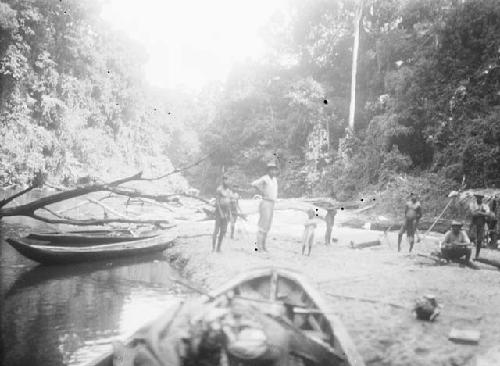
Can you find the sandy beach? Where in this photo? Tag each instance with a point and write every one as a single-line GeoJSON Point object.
{"type": "Point", "coordinates": [373, 290]}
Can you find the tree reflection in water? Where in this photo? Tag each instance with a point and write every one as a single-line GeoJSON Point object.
{"type": "Point", "coordinates": [65, 315]}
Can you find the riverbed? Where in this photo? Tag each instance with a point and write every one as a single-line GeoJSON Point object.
{"type": "Point", "coordinates": [68, 315]}
{"type": "Point", "coordinates": [372, 290]}
{"type": "Point", "coordinates": [56, 316]}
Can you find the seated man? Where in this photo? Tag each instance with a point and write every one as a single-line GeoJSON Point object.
{"type": "Point", "coordinates": [456, 243]}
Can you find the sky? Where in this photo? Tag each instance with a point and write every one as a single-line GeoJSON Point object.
{"type": "Point", "coordinates": [192, 42]}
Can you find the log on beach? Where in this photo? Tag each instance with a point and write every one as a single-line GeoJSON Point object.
{"type": "Point", "coordinates": [365, 244]}
{"type": "Point", "coordinates": [490, 262]}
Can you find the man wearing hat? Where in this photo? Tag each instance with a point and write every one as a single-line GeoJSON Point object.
{"type": "Point", "coordinates": [480, 212]}
{"type": "Point", "coordinates": [267, 186]}
{"type": "Point", "coordinates": [456, 243]}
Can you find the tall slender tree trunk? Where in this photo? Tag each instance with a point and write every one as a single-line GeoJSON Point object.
{"type": "Point", "coordinates": [357, 25]}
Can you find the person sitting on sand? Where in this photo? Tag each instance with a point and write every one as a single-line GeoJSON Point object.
{"type": "Point", "coordinates": [222, 213]}
{"type": "Point", "coordinates": [413, 213]}
{"type": "Point", "coordinates": [456, 243]}
{"type": "Point", "coordinates": [309, 228]}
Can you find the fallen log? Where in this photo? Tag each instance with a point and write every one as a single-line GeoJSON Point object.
{"type": "Point", "coordinates": [490, 262]}
{"type": "Point", "coordinates": [30, 209]}
{"type": "Point", "coordinates": [366, 244]}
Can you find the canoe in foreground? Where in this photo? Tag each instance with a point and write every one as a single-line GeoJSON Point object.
{"type": "Point", "coordinates": [91, 237]}
{"type": "Point", "coordinates": [297, 323]}
{"type": "Point", "coordinates": [49, 254]}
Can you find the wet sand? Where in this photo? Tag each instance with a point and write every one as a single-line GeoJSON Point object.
{"type": "Point", "coordinates": [373, 290]}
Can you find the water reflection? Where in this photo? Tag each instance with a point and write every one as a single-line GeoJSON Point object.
{"type": "Point", "coordinates": [66, 315]}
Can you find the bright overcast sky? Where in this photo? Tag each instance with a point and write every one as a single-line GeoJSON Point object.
{"type": "Point", "coordinates": [191, 42]}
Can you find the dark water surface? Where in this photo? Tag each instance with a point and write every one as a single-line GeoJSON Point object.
{"type": "Point", "coordinates": [67, 315]}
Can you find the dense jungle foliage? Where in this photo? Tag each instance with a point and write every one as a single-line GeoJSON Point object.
{"type": "Point", "coordinates": [73, 100]}
{"type": "Point", "coordinates": [427, 106]}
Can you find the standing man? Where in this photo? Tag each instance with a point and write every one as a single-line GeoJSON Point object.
{"type": "Point", "coordinates": [413, 213]}
{"type": "Point", "coordinates": [222, 214]}
{"type": "Point", "coordinates": [267, 186]}
{"type": "Point", "coordinates": [235, 211]}
{"type": "Point", "coordinates": [331, 211]}
{"type": "Point", "coordinates": [494, 206]}
{"type": "Point", "coordinates": [480, 212]}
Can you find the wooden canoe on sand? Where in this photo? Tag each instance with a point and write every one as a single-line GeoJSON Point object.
{"type": "Point", "coordinates": [45, 253]}
{"type": "Point", "coordinates": [91, 237]}
{"type": "Point", "coordinates": [282, 296]}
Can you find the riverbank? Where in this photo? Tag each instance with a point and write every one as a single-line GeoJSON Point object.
{"type": "Point", "coordinates": [373, 290]}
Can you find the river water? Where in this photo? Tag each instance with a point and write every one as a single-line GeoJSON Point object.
{"type": "Point", "coordinates": [67, 315]}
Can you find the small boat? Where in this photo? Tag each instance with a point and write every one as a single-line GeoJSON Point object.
{"type": "Point", "coordinates": [88, 237]}
{"type": "Point", "coordinates": [45, 253]}
{"type": "Point", "coordinates": [277, 296]}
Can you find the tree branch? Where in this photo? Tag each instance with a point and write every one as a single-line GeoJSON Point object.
{"type": "Point", "coordinates": [97, 222]}
{"type": "Point", "coordinates": [29, 208]}
{"type": "Point", "coordinates": [14, 196]}
{"type": "Point", "coordinates": [178, 170]}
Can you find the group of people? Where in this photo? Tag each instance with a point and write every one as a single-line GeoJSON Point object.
{"type": "Point", "coordinates": [456, 244]}
{"type": "Point", "coordinates": [227, 210]}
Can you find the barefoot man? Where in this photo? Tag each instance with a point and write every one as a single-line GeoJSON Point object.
{"type": "Point", "coordinates": [480, 213]}
{"type": "Point", "coordinates": [413, 213]}
{"type": "Point", "coordinates": [267, 186]}
{"type": "Point", "coordinates": [222, 213]}
{"type": "Point", "coordinates": [331, 211]}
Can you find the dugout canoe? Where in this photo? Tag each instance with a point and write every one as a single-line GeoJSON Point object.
{"type": "Point", "coordinates": [91, 237]}
{"type": "Point", "coordinates": [43, 252]}
{"type": "Point", "coordinates": [280, 294]}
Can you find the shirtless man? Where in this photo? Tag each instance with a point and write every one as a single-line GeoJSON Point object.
{"type": "Point", "coordinates": [331, 211]}
{"type": "Point", "coordinates": [222, 214]}
{"type": "Point", "coordinates": [309, 228]}
{"type": "Point", "coordinates": [413, 213]}
{"type": "Point", "coordinates": [480, 213]}
{"type": "Point", "coordinates": [235, 211]}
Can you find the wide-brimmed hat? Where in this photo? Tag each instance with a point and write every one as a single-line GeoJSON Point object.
{"type": "Point", "coordinates": [456, 223]}
{"type": "Point", "coordinates": [479, 195]}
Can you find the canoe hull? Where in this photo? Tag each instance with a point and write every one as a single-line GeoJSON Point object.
{"type": "Point", "coordinates": [91, 237]}
{"type": "Point", "coordinates": [48, 254]}
{"type": "Point", "coordinates": [335, 348]}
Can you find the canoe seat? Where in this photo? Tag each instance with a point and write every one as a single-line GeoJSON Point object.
{"type": "Point", "coordinates": [320, 336]}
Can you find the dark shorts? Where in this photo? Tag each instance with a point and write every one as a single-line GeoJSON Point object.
{"type": "Point", "coordinates": [222, 220]}
{"type": "Point", "coordinates": [409, 226]}
{"type": "Point", "coordinates": [454, 252]}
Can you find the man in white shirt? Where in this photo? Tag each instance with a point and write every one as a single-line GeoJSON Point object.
{"type": "Point", "coordinates": [267, 186]}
